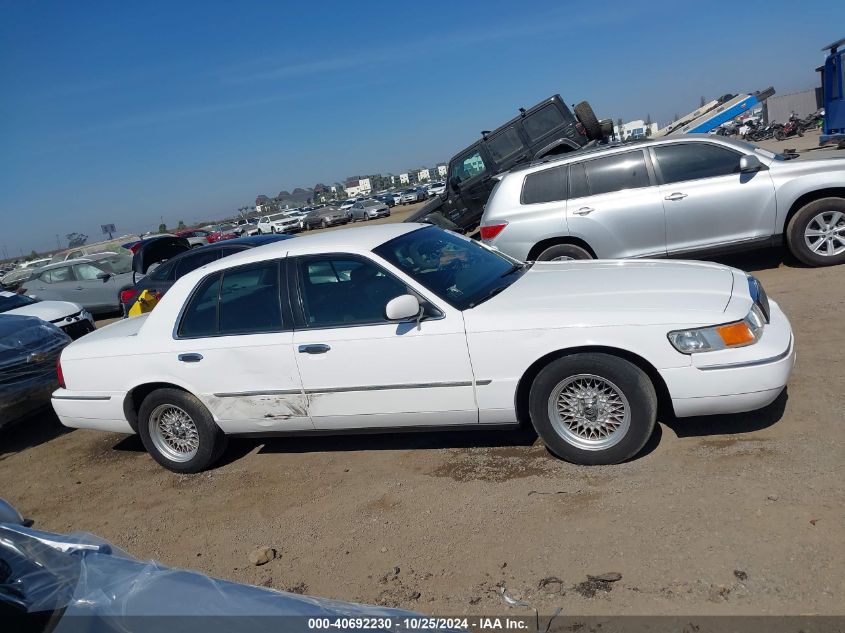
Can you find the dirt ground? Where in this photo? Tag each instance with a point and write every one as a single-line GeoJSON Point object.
{"type": "Point", "coordinates": [739, 514]}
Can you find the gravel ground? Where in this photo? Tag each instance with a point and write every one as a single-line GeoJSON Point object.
{"type": "Point", "coordinates": [739, 514]}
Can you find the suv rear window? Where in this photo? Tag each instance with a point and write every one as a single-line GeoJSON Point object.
{"type": "Point", "coordinates": [548, 185]}
{"type": "Point", "coordinates": [617, 172]}
{"type": "Point", "coordinates": [504, 144]}
{"type": "Point", "coordinates": [542, 122]}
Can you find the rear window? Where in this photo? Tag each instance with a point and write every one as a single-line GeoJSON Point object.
{"type": "Point", "coordinates": [196, 260]}
{"type": "Point", "coordinates": [617, 172]}
{"type": "Point", "coordinates": [542, 122]}
{"type": "Point", "coordinates": [504, 144]}
{"type": "Point", "coordinates": [548, 185]}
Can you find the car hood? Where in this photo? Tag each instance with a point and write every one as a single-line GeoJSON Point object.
{"type": "Point", "coordinates": [47, 310]}
{"type": "Point", "coordinates": [612, 292]}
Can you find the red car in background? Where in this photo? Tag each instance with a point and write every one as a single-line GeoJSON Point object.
{"type": "Point", "coordinates": [222, 232]}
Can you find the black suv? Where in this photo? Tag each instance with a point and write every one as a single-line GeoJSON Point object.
{"type": "Point", "coordinates": [547, 129]}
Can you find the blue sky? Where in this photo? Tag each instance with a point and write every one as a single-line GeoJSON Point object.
{"type": "Point", "coordinates": [128, 112]}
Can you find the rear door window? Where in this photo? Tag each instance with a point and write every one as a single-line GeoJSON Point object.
{"type": "Point", "coordinates": [57, 275]}
{"type": "Point", "coordinates": [548, 185]}
{"type": "Point", "coordinates": [693, 161]}
{"type": "Point", "coordinates": [578, 187]}
{"type": "Point", "coordinates": [243, 300]}
{"type": "Point", "coordinates": [617, 172]}
{"type": "Point", "coordinates": [504, 144]}
{"type": "Point", "coordinates": [542, 122]}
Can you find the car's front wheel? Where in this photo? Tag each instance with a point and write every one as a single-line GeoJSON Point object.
{"type": "Point", "coordinates": [593, 408]}
{"type": "Point", "coordinates": [816, 234]}
{"type": "Point", "coordinates": [179, 432]}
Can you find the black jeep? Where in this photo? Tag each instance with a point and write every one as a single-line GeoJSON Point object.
{"type": "Point", "coordinates": [547, 129]}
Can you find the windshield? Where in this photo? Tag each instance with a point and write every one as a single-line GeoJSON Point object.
{"type": "Point", "coordinates": [458, 269]}
{"type": "Point", "coordinates": [12, 301]}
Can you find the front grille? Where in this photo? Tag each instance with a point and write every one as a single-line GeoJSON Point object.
{"type": "Point", "coordinates": [78, 328]}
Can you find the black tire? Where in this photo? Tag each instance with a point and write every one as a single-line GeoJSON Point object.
{"type": "Point", "coordinates": [273, 230]}
{"type": "Point", "coordinates": [325, 224]}
{"type": "Point", "coordinates": [592, 127]}
{"type": "Point", "coordinates": [629, 379]}
{"type": "Point", "coordinates": [799, 223]}
{"type": "Point", "coordinates": [780, 135]}
{"type": "Point", "coordinates": [212, 441]}
{"type": "Point", "coordinates": [259, 231]}
{"type": "Point", "coordinates": [561, 252]}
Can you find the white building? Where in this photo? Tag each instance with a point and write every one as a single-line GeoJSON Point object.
{"type": "Point", "coordinates": [358, 187]}
{"type": "Point", "coordinates": [404, 179]}
{"type": "Point", "coordinates": [635, 129]}
{"type": "Point", "coordinates": [442, 170]}
{"type": "Point", "coordinates": [423, 175]}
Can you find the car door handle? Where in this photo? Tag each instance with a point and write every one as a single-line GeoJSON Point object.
{"type": "Point", "coordinates": [190, 358]}
{"type": "Point", "coordinates": [584, 211]}
{"type": "Point", "coordinates": [676, 196]}
{"type": "Point", "coordinates": [317, 348]}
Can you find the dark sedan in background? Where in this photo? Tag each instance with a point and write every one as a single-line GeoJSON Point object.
{"type": "Point", "coordinates": [325, 217]}
{"type": "Point", "coordinates": [181, 262]}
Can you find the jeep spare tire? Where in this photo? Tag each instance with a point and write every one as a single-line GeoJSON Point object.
{"type": "Point", "coordinates": [585, 115]}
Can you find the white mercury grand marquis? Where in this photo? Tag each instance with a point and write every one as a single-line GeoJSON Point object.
{"type": "Point", "coordinates": [405, 326]}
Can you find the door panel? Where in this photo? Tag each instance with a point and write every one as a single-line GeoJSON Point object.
{"type": "Point", "coordinates": [236, 333]}
{"type": "Point", "coordinates": [369, 372]}
{"type": "Point", "coordinates": [708, 202]}
{"type": "Point", "coordinates": [623, 214]}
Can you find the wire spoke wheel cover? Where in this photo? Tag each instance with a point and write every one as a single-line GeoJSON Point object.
{"type": "Point", "coordinates": [589, 412]}
{"type": "Point", "coordinates": [174, 433]}
{"type": "Point", "coordinates": [825, 233]}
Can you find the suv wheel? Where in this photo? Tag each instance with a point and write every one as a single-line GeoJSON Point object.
{"type": "Point", "coordinates": [563, 252]}
{"type": "Point", "coordinates": [586, 116]}
{"type": "Point", "coordinates": [179, 432]}
{"type": "Point", "coordinates": [325, 224]}
{"type": "Point", "coordinates": [593, 408]}
{"type": "Point", "coordinates": [816, 234]}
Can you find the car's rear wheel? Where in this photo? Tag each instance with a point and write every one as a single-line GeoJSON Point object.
{"type": "Point", "coordinates": [179, 432]}
{"type": "Point", "coordinates": [325, 223]}
{"type": "Point", "coordinates": [816, 233]}
{"type": "Point", "coordinates": [592, 127]}
{"type": "Point", "coordinates": [563, 252]}
{"type": "Point", "coordinates": [593, 408]}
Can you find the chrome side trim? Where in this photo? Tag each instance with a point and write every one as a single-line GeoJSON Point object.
{"type": "Point", "coordinates": [272, 392]}
{"type": "Point", "coordinates": [421, 385]}
{"type": "Point", "coordinates": [290, 392]}
{"type": "Point", "coordinates": [752, 363]}
{"type": "Point", "coordinates": [81, 397]}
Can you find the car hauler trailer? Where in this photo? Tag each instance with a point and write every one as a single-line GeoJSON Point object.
{"type": "Point", "coordinates": [713, 114]}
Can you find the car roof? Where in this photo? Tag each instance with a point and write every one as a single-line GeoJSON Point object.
{"type": "Point", "coordinates": [67, 262]}
{"type": "Point", "coordinates": [348, 240]}
{"type": "Point", "coordinates": [617, 147]}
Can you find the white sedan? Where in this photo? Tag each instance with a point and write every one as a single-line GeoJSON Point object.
{"type": "Point", "coordinates": [70, 317]}
{"type": "Point", "coordinates": [403, 326]}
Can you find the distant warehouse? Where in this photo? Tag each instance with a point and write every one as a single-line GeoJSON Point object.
{"type": "Point", "coordinates": [777, 108]}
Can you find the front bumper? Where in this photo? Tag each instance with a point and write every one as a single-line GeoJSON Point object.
{"type": "Point", "coordinates": [735, 380]}
{"type": "Point", "coordinates": [77, 325]}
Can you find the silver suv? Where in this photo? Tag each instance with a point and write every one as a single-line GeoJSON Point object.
{"type": "Point", "coordinates": [678, 197]}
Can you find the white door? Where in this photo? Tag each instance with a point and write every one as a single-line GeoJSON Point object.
{"type": "Point", "coordinates": [360, 370]}
{"type": "Point", "coordinates": [708, 202]}
{"type": "Point", "coordinates": [234, 349]}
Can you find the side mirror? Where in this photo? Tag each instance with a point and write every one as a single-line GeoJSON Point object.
{"type": "Point", "coordinates": [402, 307]}
{"type": "Point", "coordinates": [104, 276]}
{"type": "Point", "coordinates": [453, 184]}
{"type": "Point", "coordinates": [749, 163]}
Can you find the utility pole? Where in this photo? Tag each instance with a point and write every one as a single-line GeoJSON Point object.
{"type": "Point", "coordinates": [58, 244]}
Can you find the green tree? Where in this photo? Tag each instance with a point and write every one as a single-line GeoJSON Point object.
{"type": "Point", "coordinates": [181, 224]}
{"type": "Point", "coordinates": [648, 125]}
{"type": "Point", "coordinates": [619, 124]}
{"type": "Point", "coordinates": [701, 102]}
{"type": "Point", "coordinates": [162, 228]}
{"type": "Point", "coordinates": [33, 255]}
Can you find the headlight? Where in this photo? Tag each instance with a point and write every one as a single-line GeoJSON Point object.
{"type": "Point", "coordinates": [710, 339]}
